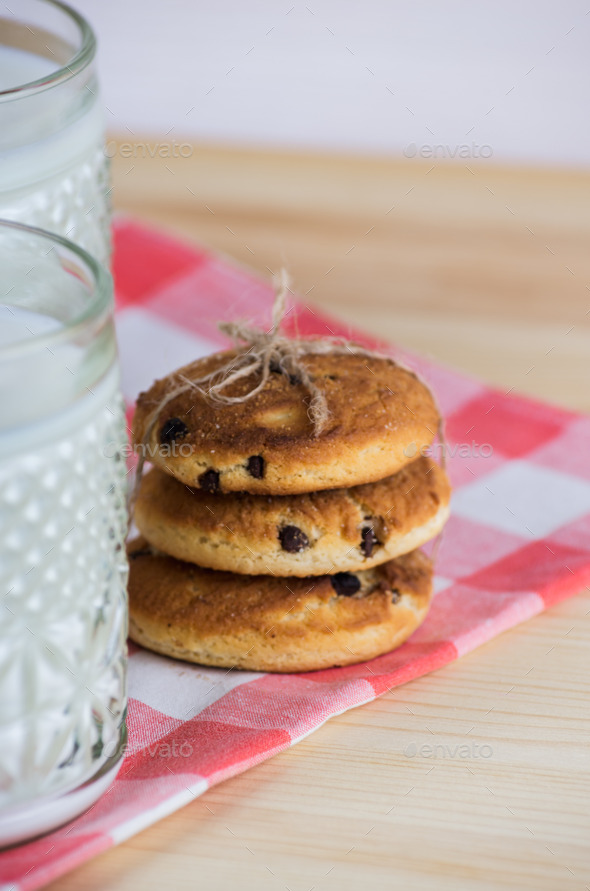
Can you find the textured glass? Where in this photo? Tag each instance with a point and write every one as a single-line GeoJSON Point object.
{"type": "Point", "coordinates": [63, 620]}
{"type": "Point", "coordinates": [74, 203]}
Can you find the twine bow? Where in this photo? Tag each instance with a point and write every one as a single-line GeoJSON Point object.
{"type": "Point", "coordinates": [261, 353]}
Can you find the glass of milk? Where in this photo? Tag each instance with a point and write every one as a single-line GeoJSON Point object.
{"type": "Point", "coordinates": [63, 569]}
{"type": "Point", "coordinates": [53, 169]}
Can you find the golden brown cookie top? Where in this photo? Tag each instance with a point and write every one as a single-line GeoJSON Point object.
{"type": "Point", "coordinates": [207, 602]}
{"type": "Point", "coordinates": [352, 528]}
{"type": "Point", "coordinates": [380, 417]}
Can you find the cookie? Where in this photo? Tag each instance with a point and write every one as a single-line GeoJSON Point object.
{"type": "Point", "coordinates": [381, 417]}
{"type": "Point", "coordinates": [295, 535]}
{"type": "Point", "coordinates": [262, 623]}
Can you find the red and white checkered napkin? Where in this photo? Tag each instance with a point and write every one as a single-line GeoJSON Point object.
{"type": "Point", "coordinates": [517, 542]}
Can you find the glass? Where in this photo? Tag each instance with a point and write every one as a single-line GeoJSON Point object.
{"type": "Point", "coordinates": [63, 519]}
{"type": "Point", "coordinates": [53, 168]}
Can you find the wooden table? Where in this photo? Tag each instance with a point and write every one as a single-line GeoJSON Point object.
{"type": "Point", "coordinates": [487, 269]}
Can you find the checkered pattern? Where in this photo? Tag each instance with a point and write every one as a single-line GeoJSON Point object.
{"type": "Point", "coordinates": [518, 541]}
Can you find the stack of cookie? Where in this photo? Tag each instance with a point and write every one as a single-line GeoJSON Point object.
{"type": "Point", "coordinates": [266, 547]}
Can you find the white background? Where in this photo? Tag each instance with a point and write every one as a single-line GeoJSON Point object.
{"type": "Point", "coordinates": [377, 76]}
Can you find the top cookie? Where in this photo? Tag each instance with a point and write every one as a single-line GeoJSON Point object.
{"type": "Point", "coordinates": [381, 416]}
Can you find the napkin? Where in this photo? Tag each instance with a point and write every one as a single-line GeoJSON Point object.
{"type": "Point", "coordinates": [518, 541]}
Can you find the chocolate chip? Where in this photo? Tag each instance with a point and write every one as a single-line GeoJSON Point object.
{"type": "Point", "coordinates": [293, 539]}
{"type": "Point", "coordinates": [395, 595]}
{"type": "Point", "coordinates": [142, 552]}
{"type": "Point", "coordinates": [345, 583]}
{"type": "Point", "coordinates": [209, 481]}
{"type": "Point", "coordinates": [255, 466]}
{"type": "Point", "coordinates": [172, 430]}
{"type": "Point", "coordinates": [276, 368]}
{"type": "Point", "coordinates": [369, 540]}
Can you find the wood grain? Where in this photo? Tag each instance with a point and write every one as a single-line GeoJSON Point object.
{"type": "Point", "coordinates": [482, 267]}
{"type": "Point", "coordinates": [477, 776]}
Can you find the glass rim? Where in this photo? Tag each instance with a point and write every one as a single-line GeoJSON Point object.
{"type": "Point", "coordinates": [99, 304]}
{"type": "Point", "coordinates": [80, 60]}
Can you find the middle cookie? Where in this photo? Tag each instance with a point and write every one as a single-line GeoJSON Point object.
{"type": "Point", "coordinates": [336, 530]}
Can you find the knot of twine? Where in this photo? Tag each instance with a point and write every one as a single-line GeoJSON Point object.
{"type": "Point", "coordinates": [258, 354]}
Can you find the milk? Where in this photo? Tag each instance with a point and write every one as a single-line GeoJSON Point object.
{"type": "Point", "coordinates": [19, 67]}
{"type": "Point", "coordinates": [63, 572]}
{"type": "Point", "coordinates": [53, 169]}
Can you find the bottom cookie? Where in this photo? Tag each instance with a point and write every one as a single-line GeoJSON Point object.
{"type": "Point", "coordinates": [265, 623]}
